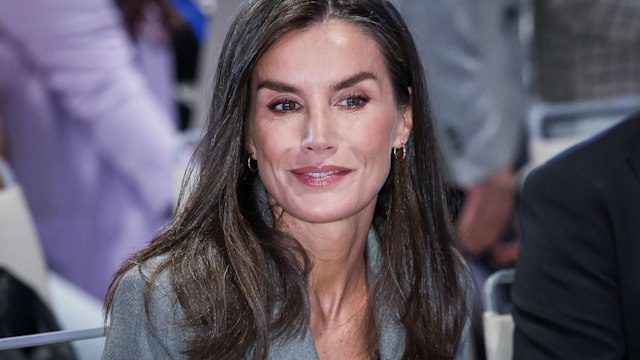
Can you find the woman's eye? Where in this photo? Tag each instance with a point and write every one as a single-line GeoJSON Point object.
{"type": "Point", "coordinates": [284, 106]}
{"type": "Point", "coordinates": [354, 102]}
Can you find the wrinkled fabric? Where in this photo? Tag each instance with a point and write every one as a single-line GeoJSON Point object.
{"type": "Point", "coordinates": [90, 143]}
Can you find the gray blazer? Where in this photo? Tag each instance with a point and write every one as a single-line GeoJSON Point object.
{"type": "Point", "coordinates": [132, 336]}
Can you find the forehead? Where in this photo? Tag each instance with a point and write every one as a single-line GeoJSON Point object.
{"type": "Point", "coordinates": [324, 52]}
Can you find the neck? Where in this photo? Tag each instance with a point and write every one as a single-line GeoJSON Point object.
{"type": "Point", "coordinates": [337, 284]}
{"type": "Point", "coordinates": [338, 281]}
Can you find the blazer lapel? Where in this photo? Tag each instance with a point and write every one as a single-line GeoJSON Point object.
{"type": "Point", "coordinates": [391, 331]}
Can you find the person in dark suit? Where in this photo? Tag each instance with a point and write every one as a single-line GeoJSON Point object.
{"type": "Point", "coordinates": [576, 293]}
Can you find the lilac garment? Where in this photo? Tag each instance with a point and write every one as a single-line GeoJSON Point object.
{"type": "Point", "coordinates": [89, 142]}
{"type": "Point", "coordinates": [154, 58]}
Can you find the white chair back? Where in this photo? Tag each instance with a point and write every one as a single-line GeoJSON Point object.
{"type": "Point", "coordinates": [554, 127]}
{"type": "Point", "coordinates": [498, 328]}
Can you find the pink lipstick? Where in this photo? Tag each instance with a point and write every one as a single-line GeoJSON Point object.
{"type": "Point", "coordinates": [320, 176]}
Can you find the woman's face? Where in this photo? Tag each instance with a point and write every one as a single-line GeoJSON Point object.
{"type": "Point", "coordinates": [323, 123]}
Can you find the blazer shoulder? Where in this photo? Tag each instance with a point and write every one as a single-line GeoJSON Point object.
{"type": "Point", "coordinates": [143, 279]}
{"type": "Point", "coordinates": [146, 317]}
{"type": "Point", "coordinates": [134, 282]}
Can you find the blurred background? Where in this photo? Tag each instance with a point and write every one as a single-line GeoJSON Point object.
{"type": "Point", "coordinates": [102, 101]}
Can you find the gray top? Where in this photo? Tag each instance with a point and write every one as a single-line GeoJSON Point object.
{"type": "Point", "coordinates": [131, 335]}
{"type": "Point", "coordinates": [472, 58]}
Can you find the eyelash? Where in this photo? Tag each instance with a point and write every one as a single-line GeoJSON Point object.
{"type": "Point", "coordinates": [273, 106]}
{"type": "Point", "coordinates": [360, 99]}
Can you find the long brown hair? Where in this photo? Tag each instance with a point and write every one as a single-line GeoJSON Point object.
{"type": "Point", "coordinates": [224, 256]}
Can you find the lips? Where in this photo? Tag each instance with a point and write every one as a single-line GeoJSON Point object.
{"type": "Point", "coordinates": [320, 176]}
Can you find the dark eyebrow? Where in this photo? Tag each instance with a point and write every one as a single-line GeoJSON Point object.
{"type": "Point", "coordinates": [352, 80]}
{"type": "Point", "coordinates": [278, 86]}
{"type": "Point", "coordinates": [348, 82]}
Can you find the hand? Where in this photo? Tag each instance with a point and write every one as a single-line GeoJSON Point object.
{"type": "Point", "coordinates": [505, 254]}
{"type": "Point", "coordinates": [487, 208]}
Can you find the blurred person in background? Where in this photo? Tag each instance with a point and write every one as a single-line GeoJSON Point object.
{"type": "Point", "coordinates": [577, 285]}
{"type": "Point", "coordinates": [471, 55]}
{"type": "Point", "coordinates": [188, 45]}
{"type": "Point", "coordinates": [86, 100]}
{"type": "Point", "coordinates": [2, 146]}
{"type": "Point", "coordinates": [586, 49]}
{"type": "Point", "coordinates": [575, 292]}
{"type": "Point", "coordinates": [150, 24]}
{"type": "Point", "coordinates": [2, 151]}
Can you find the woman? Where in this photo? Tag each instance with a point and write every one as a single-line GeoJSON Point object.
{"type": "Point", "coordinates": [317, 226]}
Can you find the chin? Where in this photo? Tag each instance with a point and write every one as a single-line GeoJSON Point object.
{"type": "Point", "coordinates": [326, 213]}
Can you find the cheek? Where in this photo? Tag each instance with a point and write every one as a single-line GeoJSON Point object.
{"type": "Point", "coordinates": [273, 146]}
{"type": "Point", "coordinates": [376, 139]}
{"type": "Point", "coordinates": [373, 151]}
{"type": "Point", "coordinates": [263, 138]}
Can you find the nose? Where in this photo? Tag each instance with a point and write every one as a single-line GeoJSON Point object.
{"type": "Point", "coordinates": [320, 132]}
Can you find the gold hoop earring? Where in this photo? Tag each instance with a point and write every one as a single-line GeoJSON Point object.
{"type": "Point", "coordinates": [400, 153]}
{"type": "Point", "coordinates": [249, 164]}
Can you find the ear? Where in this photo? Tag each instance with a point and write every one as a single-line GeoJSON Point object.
{"type": "Point", "coordinates": [251, 147]}
{"type": "Point", "coordinates": [404, 126]}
